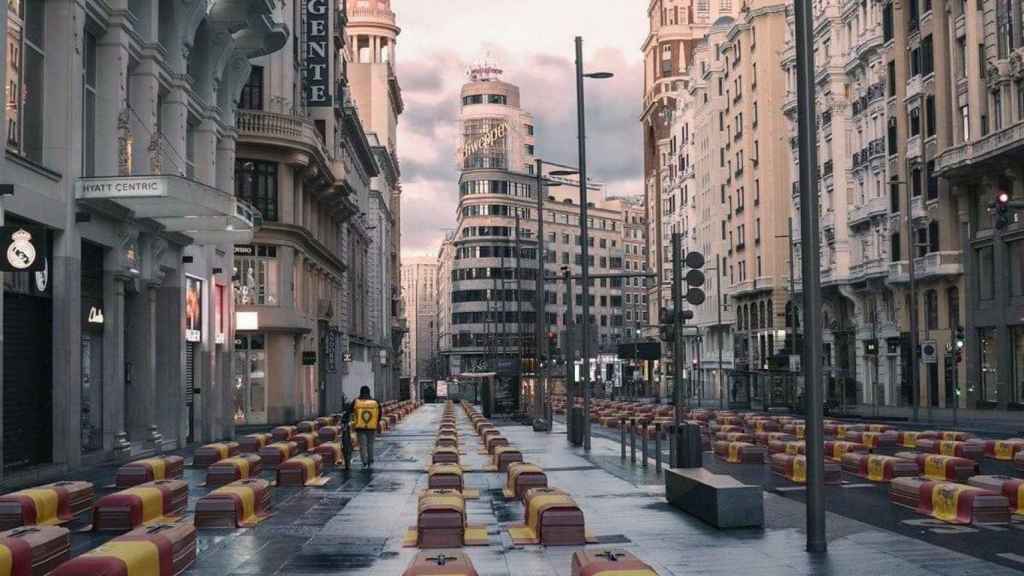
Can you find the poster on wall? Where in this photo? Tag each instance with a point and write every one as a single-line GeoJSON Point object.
{"type": "Point", "coordinates": [193, 309]}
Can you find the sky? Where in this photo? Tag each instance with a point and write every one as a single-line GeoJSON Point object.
{"type": "Point", "coordinates": [532, 41]}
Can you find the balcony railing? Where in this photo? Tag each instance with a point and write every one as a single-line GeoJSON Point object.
{"type": "Point", "coordinates": [866, 210]}
{"type": "Point", "coordinates": [285, 128]}
{"type": "Point", "coordinates": [984, 149]}
{"type": "Point", "coordinates": [914, 147]}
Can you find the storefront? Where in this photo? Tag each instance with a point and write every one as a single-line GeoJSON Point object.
{"type": "Point", "coordinates": [93, 325]}
{"type": "Point", "coordinates": [27, 346]}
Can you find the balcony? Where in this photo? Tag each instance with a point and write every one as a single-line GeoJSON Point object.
{"type": "Point", "coordinates": [918, 210]}
{"type": "Point", "coordinates": [1009, 141]}
{"type": "Point", "coordinates": [873, 268]}
{"type": "Point", "coordinates": [930, 266]}
{"type": "Point", "coordinates": [914, 85]}
{"type": "Point", "coordinates": [914, 147]}
{"type": "Point", "coordinates": [272, 128]}
{"type": "Point", "coordinates": [869, 209]}
{"type": "Point", "coordinates": [828, 220]}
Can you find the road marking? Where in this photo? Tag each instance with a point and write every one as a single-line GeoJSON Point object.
{"type": "Point", "coordinates": [858, 485]}
{"type": "Point", "coordinates": [1012, 556]}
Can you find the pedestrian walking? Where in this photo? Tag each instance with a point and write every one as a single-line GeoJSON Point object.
{"type": "Point", "coordinates": [364, 412]}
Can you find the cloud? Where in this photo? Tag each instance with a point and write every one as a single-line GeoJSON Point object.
{"type": "Point", "coordinates": [437, 47]}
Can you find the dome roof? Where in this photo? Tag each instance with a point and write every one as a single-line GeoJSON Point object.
{"type": "Point", "coordinates": [722, 24]}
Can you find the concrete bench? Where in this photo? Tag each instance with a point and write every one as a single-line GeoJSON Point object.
{"type": "Point", "coordinates": [717, 499]}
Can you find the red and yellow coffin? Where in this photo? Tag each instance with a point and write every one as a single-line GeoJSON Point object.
{"type": "Point", "coordinates": [211, 453]}
{"type": "Point", "coordinates": [233, 469]}
{"type": "Point", "coordinates": [609, 563]}
{"type": "Point", "coordinates": [836, 449]}
{"type": "Point", "coordinates": [306, 441]}
{"type": "Point", "coordinates": [47, 505]}
{"type": "Point", "coordinates": [274, 454]}
{"type": "Point", "coordinates": [150, 469]}
{"type": "Point", "coordinates": [840, 430]}
{"type": "Point", "coordinates": [1003, 449]}
{"type": "Point", "coordinates": [301, 470]}
{"type": "Point", "coordinates": [941, 467]}
{"type": "Point", "coordinates": [873, 439]}
{"type": "Point", "coordinates": [793, 467]}
{"type": "Point", "coordinates": [878, 468]}
{"type": "Point", "coordinates": [522, 477]}
{"type": "Point", "coordinates": [740, 452]}
{"type": "Point", "coordinates": [734, 437]}
{"type": "Point", "coordinates": [1012, 488]}
{"type": "Point", "coordinates": [788, 447]}
{"type": "Point", "coordinates": [763, 425]}
{"type": "Point", "coordinates": [166, 549]}
{"type": "Point", "coordinates": [283, 433]}
{"type": "Point", "coordinates": [240, 504]}
{"type": "Point", "coordinates": [329, 433]}
{"type": "Point", "coordinates": [254, 442]}
{"type": "Point", "coordinates": [552, 518]}
{"type": "Point", "coordinates": [306, 427]}
{"type": "Point", "coordinates": [33, 550]}
{"type": "Point", "coordinates": [154, 502]}
{"type": "Point", "coordinates": [766, 438]}
{"type": "Point", "coordinates": [949, 501]}
{"type": "Point", "coordinates": [945, 435]}
{"type": "Point", "coordinates": [331, 453]}
{"type": "Point", "coordinates": [958, 448]}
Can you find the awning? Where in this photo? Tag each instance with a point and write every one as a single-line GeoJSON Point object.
{"type": "Point", "coordinates": [206, 214]}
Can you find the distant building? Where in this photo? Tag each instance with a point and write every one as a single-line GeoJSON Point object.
{"type": "Point", "coordinates": [419, 295]}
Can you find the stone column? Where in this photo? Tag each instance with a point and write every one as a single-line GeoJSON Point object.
{"type": "Point", "coordinates": [145, 94]}
{"type": "Point", "coordinates": [174, 125]}
{"type": "Point", "coordinates": [114, 414]}
{"type": "Point", "coordinates": [207, 154]}
{"type": "Point", "coordinates": [224, 167]}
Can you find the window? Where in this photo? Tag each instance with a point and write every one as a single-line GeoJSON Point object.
{"type": "Point", "coordinates": [932, 180]}
{"type": "Point", "coordinates": [1007, 13]}
{"type": "Point", "coordinates": [929, 116]}
{"type": "Point", "coordinates": [895, 252]}
{"type": "Point", "coordinates": [256, 183]}
{"type": "Point", "coordinates": [892, 136]}
{"type": "Point", "coordinates": [891, 76]}
{"type": "Point", "coordinates": [989, 362]}
{"type": "Point", "coordinates": [887, 22]}
{"type": "Point", "coordinates": [931, 310]}
{"type": "Point", "coordinates": [529, 149]}
{"type": "Point", "coordinates": [912, 15]}
{"type": "Point", "coordinates": [757, 192]}
{"type": "Point", "coordinates": [953, 307]}
{"type": "Point", "coordinates": [1016, 268]}
{"type": "Point", "coordinates": [529, 129]}
{"type": "Point", "coordinates": [927, 59]}
{"type": "Point", "coordinates": [997, 109]}
{"type": "Point", "coordinates": [915, 122]}
{"type": "Point", "coordinates": [497, 99]}
{"type": "Point", "coordinates": [89, 105]}
{"type": "Point", "coordinates": [915, 181]}
{"type": "Point", "coordinates": [986, 273]}
{"type": "Point", "coordinates": [25, 71]}
{"type": "Point", "coordinates": [256, 275]}
{"type": "Point", "coordinates": [965, 122]}
{"type": "Point", "coordinates": [1017, 336]}
{"type": "Point", "coordinates": [473, 99]}
{"type": "Point", "coordinates": [252, 92]}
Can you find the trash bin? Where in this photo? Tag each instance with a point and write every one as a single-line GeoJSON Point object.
{"type": "Point", "coordinates": [688, 452]}
{"type": "Point", "coordinates": [576, 428]}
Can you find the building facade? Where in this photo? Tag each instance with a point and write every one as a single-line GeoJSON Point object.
{"type": "Point", "coordinates": [372, 40]}
{"type": "Point", "coordinates": [419, 297]}
{"type": "Point", "coordinates": [119, 195]}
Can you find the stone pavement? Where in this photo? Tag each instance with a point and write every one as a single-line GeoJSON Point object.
{"type": "Point", "coordinates": [354, 525]}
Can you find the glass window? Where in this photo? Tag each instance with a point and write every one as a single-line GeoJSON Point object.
{"type": "Point", "coordinates": [989, 361]}
{"type": "Point", "coordinates": [252, 92]}
{"type": "Point", "coordinates": [1017, 335]}
{"type": "Point", "coordinates": [89, 105]}
{"type": "Point", "coordinates": [256, 183]}
{"type": "Point", "coordinates": [256, 276]}
{"type": "Point", "coordinates": [25, 71]}
{"type": "Point", "coordinates": [1016, 267]}
{"type": "Point", "coordinates": [986, 267]}
{"type": "Point", "coordinates": [931, 310]}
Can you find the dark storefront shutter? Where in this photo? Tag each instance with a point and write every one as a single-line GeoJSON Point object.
{"type": "Point", "coordinates": [28, 380]}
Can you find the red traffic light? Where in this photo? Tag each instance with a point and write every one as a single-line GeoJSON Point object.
{"type": "Point", "coordinates": [1003, 197]}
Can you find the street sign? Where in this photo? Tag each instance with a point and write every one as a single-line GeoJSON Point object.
{"type": "Point", "coordinates": [929, 352]}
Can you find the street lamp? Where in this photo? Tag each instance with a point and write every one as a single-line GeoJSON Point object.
{"type": "Point", "coordinates": [912, 377]}
{"type": "Point", "coordinates": [585, 236]}
{"type": "Point", "coordinates": [540, 321]}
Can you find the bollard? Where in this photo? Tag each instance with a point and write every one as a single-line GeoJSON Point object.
{"type": "Point", "coordinates": [671, 446]}
{"type": "Point", "coordinates": [632, 440]}
{"type": "Point", "coordinates": [622, 442]}
{"type": "Point", "coordinates": [657, 447]}
{"type": "Point", "coordinates": [643, 443]}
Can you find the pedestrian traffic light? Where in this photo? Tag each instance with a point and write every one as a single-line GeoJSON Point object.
{"type": "Point", "coordinates": [1001, 206]}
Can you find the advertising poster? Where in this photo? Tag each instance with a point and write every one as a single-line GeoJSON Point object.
{"type": "Point", "coordinates": [193, 309]}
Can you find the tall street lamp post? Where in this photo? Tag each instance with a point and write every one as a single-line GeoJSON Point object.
{"type": "Point", "coordinates": [807, 136]}
{"type": "Point", "coordinates": [540, 321]}
{"type": "Point", "coordinates": [584, 236]}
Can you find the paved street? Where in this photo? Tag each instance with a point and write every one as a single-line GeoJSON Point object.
{"type": "Point", "coordinates": [354, 524]}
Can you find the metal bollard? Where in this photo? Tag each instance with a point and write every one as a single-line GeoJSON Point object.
{"type": "Point", "coordinates": [643, 443]}
{"type": "Point", "coordinates": [622, 442]}
{"type": "Point", "coordinates": [657, 447]}
{"type": "Point", "coordinates": [632, 440]}
{"type": "Point", "coordinates": [671, 445]}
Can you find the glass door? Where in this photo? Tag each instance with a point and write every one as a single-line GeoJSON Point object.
{"type": "Point", "coordinates": [249, 378]}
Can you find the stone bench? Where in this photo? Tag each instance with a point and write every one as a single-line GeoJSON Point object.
{"type": "Point", "coordinates": [717, 499]}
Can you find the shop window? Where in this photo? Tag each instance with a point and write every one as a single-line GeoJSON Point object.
{"type": "Point", "coordinates": [953, 304]}
{"type": "Point", "coordinates": [931, 310]}
{"type": "Point", "coordinates": [1017, 335]}
{"type": "Point", "coordinates": [256, 275]}
{"type": "Point", "coordinates": [25, 71]}
{"type": "Point", "coordinates": [989, 352]}
{"type": "Point", "coordinates": [250, 378]}
{"type": "Point", "coordinates": [256, 183]}
{"type": "Point", "coordinates": [91, 380]}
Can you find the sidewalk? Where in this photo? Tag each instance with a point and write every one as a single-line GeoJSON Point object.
{"type": "Point", "coordinates": [355, 525]}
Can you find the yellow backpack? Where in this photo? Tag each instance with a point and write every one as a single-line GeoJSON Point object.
{"type": "Point", "coordinates": [367, 414]}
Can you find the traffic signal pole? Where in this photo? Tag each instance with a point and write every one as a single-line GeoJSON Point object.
{"type": "Point", "coordinates": [677, 336]}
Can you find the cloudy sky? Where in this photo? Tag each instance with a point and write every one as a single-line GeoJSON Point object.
{"type": "Point", "coordinates": [532, 41]}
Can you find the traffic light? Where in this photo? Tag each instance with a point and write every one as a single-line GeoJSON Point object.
{"type": "Point", "coordinates": [958, 345]}
{"type": "Point", "coordinates": [552, 345]}
{"type": "Point", "coordinates": [694, 278]}
{"type": "Point", "coordinates": [667, 323]}
{"type": "Point", "coordinates": [1001, 206]}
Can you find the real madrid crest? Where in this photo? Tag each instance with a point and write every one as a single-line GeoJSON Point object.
{"type": "Point", "coordinates": [21, 253]}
